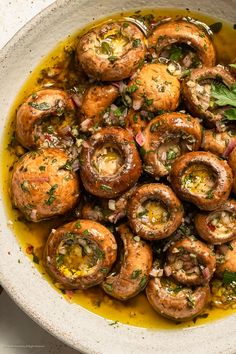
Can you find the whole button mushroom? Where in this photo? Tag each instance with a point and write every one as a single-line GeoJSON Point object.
{"type": "Point", "coordinates": [218, 226]}
{"type": "Point", "coordinates": [41, 118]}
{"type": "Point", "coordinates": [190, 262]}
{"type": "Point", "coordinates": [79, 254]}
{"type": "Point", "coordinates": [110, 163]}
{"type": "Point", "coordinates": [154, 211]}
{"type": "Point", "coordinates": [167, 137]}
{"type": "Point", "coordinates": [202, 178]}
{"type": "Point", "coordinates": [112, 51]}
{"type": "Point", "coordinates": [183, 42]}
{"type": "Point", "coordinates": [41, 185]}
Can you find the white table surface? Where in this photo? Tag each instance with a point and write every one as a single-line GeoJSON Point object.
{"type": "Point", "coordinates": [18, 333]}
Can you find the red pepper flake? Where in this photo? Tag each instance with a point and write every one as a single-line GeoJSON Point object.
{"type": "Point", "coordinates": [69, 294]}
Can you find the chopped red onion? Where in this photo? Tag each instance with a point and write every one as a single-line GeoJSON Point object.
{"type": "Point", "coordinates": [229, 148]}
{"type": "Point", "coordinates": [140, 138]}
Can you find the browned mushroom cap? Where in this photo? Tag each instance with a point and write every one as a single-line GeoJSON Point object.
{"type": "Point", "coordinates": [202, 178]}
{"type": "Point", "coordinates": [108, 210]}
{"type": "Point", "coordinates": [197, 93]}
{"type": "Point", "coordinates": [110, 163]}
{"type": "Point", "coordinates": [133, 274]}
{"type": "Point", "coordinates": [219, 226]}
{"type": "Point", "coordinates": [174, 301]}
{"type": "Point", "coordinates": [232, 163]}
{"type": "Point", "coordinates": [167, 137]}
{"type": "Point", "coordinates": [219, 143]}
{"type": "Point", "coordinates": [154, 211]}
{"type": "Point", "coordinates": [41, 117]}
{"type": "Point", "coordinates": [155, 89]}
{"type": "Point", "coordinates": [226, 258]}
{"type": "Point", "coordinates": [183, 42]}
{"type": "Point", "coordinates": [95, 101]}
{"type": "Point", "coordinates": [190, 261]}
{"type": "Point", "coordinates": [41, 185]}
{"type": "Point", "coordinates": [112, 51]}
{"type": "Point", "coordinates": [79, 255]}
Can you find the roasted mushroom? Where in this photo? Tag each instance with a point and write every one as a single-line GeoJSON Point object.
{"type": "Point", "coordinates": [190, 261]}
{"type": "Point", "coordinates": [175, 301]}
{"type": "Point", "coordinates": [112, 51]}
{"type": "Point", "coordinates": [226, 258]}
{"type": "Point", "coordinates": [232, 163]}
{"type": "Point", "coordinates": [202, 178]}
{"type": "Point", "coordinates": [79, 255]}
{"type": "Point", "coordinates": [155, 89]}
{"type": "Point", "coordinates": [110, 163]}
{"type": "Point", "coordinates": [95, 101]}
{"type": "Point", "coordinates": [45, 118]}
{"type": "Point", "coordinates": [219, 143]}
{"type": "Point", "coordinates": [218, 226]}
{"type": "Point", "coordinates": [41, 185]}
{"type": "Point", "coordinates": [107, 210]}
{"type": "Point", "coordinates": [154, 211]}
{"type": "Point", "coordinates": [133, 274]}
{"type": "Point", "coordinates": [167, 137]}
{"type": "Point", "coordinates": [205, 94]}
{"type": "Point", "coordinates": [182, 42]}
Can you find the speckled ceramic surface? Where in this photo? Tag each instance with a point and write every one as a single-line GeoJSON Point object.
{"type": "Point", "coordinates": [71, 323]}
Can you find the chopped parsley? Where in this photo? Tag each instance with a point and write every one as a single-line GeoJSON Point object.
{"type": "Point", "coordinates": [136, 43]}
{"type": "Point", "coordinates": [51, 192]}
{"type": "Point", "coordinates": [43, 106]}
{"type": "Point", "coordinates": [135, 274]}
{"type": "Point", "coordinates": [143, 281]}
{"type": "Point", "coordinates": [104, 187]}
{"type": "Point", "coordinates": [229, 277]}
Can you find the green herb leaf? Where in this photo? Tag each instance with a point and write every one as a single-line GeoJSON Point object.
{"type": "Point", "coordinates": [230, 114]}
{"type": "Point", "coordinates": [132, 88]}
{"type": "Point", "coordinates": [78, 225]}
{"type": "Point", "coordinates": [35, 259]}
{"type": "Point", "coordinates": [224, 96]}
{"type": "Point", "coordinates": [108, 287]}
{"type": "Point", "coordinates": [136, 273]}
{"type": "Point", "coordinates": [229, 277]}
{"type": "Point", "coordinates": [190, 301]}
{"type": "Point", "coordinates": [42, 168]}
{"type": "Point", "coordinates": [24, 186]}
{"type": "Point", "coordinates": [106, 49]}
{"type": "Point", "coordinates": [51, 194]}
{"type": "Point", "coordinates": [136, 43]}
{"type": "Point", "coordinates": [176, 54]}
{"type": "Point", "coordinates": [143, 281]}
{"type": "Point", "coordinates": [43, 106]}
{"type": "Point", "coordinates": [112, 58]}
{"type": "Point", "coordinates": [104, 187]}
{"type": "Point", "coordinates": [86, 232]}
{"type": "Point", "coordinates": [60, 260]}
{"type": "Point", "coordinates": [233, 66]}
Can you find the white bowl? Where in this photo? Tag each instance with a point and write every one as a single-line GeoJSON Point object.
{"type": "Point", "coordinates": [71, 323]}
